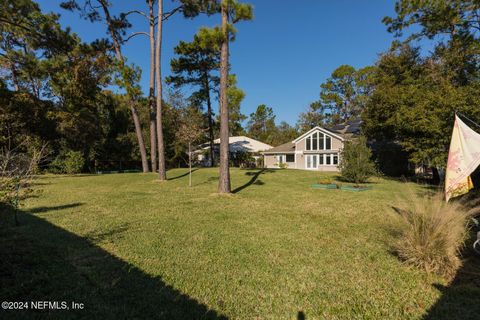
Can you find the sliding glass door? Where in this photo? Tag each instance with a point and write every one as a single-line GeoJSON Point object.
{"type": "Point", "coordinates": [311, 161]}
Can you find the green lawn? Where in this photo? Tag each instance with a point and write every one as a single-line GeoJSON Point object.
{"type": "Point", "coordinates": [128, 246]}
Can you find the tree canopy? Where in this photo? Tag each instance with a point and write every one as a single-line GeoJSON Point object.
{"type": "Point", "coordinates": [415, 96]}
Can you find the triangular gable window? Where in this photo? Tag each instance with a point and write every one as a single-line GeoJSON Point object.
{"type": "Point", "coordinates": [318, 141]}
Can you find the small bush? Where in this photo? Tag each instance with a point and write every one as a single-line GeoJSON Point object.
{"type": "Point", "coordinates": [69, 162]}
{"type": "Point", "coordinates": [259, 162]}
{"type": "Point", "coordinates": [8, 187]}
{"type": "Point", "coordinates": [282, 165]}
{"type": "Point", "coordinates": [17, 169]}
{"type": "Point", "coordinates": [434, 232]}
{"type": "Point", "coordinates": [356, 163]}
{"type": "Point", "coordinates": [242, 160]}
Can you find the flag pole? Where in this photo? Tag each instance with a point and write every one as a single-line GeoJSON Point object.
{"type": "Point", "coordinates": [467, 118]}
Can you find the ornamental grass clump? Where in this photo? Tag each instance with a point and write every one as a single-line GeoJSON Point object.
{"type": "Point", "coordinates": [433, 234]}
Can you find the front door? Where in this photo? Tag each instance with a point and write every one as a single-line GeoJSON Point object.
{"type": "Point", "coordinates": [311, 161]}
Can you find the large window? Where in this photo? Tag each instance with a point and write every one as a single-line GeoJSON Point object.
{"type": "Point", "coordinates": [328, 142]}
{"type": "Point", "coordinates": [315, 141]}
{"type": "Point", "coordinates": [313, 161]}
{"type": "Point", "coordinates": [318, 141]}
{"type": "Point", "coordinates": [290, 158]}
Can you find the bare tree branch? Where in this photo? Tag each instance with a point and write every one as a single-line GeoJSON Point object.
{"type": "Point", "coordinates": [167, 15]}
{"type": "Point", "coordinates": [137, 12]}
{"type": "Point", "coordinates": [136, 34]}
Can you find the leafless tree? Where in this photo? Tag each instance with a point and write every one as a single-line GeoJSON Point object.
{"type": "Point", "coordinates": [189, 132]}
{"type": "Point", "coordinates": [17, 170]}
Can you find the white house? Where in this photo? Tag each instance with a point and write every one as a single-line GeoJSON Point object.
{"type": "Point", "coordinates": [238, 144]}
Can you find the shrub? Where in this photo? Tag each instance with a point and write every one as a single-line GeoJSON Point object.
{"type": "Point", "coordinates": [259, 162]}
{"type": "Point", "coordinates": [433, 233]}
{"type": "Point", "coordinates": [69, 162]}
{"type": "Point", "coordinates": [242, 160]}
{"type": "Point", "coordinates": [356, 164]}
{"type": "Point", "coordinates": [282, 165]}
{"type": "Point", "coordinates": [8, 187]}
{"type": "Point", "coordinates": [17, 169]}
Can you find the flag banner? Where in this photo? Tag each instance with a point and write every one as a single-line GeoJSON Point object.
{"type": "Point", "coordinates": [463, 159]}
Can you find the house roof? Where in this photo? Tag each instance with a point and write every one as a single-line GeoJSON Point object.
{"type": "Point", "coordinates": [288, 147]}
{"type": "Point", "coordinates": [350, 127]}
{"type": "Point", "coordinates": [241, 143]}
{"type": "Point", "coordinates": [341, 131]}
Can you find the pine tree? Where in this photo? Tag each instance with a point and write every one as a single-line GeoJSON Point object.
{"type": "Point", "coordinates": [197, 65]}
{"type": "Point", "coordinates": [116, 28]}
{"type": "Point", "coordinates": [231, 12]}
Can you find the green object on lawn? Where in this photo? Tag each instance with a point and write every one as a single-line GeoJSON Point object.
{"type": "Point", "coordinates": [355, 189]}
{"type": "Point", "coordinates": [324, 186]}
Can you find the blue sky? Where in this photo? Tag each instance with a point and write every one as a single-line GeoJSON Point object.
{"type": "Point", "coordinates": [281, 57]}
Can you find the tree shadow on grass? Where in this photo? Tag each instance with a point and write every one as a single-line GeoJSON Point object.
{"type": "Point", "coordinates": [253, 180]}
{"type": "Point", "coordinates": [207, 181]}
{"type": "Point", "coordinates": [182, 175]}
{"type": "Point", "coordinates": [62, 175]}
{"type": "Point", "coordinates": [54, 208]}
{"type": "Point", "coordinates": [42, 262]}
{"type": "Point", "coordinates": [461, 298]}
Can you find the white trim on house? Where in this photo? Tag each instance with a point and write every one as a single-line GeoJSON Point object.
{"type": "Point", "coordinates": [278, 152]}
{"type": "Point", "coordinates": [281, 158]}
{"type": "Point", "coordinates": [319, 129]}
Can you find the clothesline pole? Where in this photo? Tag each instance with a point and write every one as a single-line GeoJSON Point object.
{"type": "Point", "coordinates": [467, 118]}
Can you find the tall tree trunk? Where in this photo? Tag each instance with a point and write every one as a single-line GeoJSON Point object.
{"type": "Point", "coordinates": [138, 132]}
{"type": "Point", "coordinates": [13, 69]}
{"type": "Point", "coordinates": [224, 181]}
{"type": "Point", "coordinates": [162, 175]}
{"type": "Point", "coordinates": [210, 121]}
{"type": "Point", "coordinates": [14, 76]}
{"type": "Point", "coordinates": [151, 95]}
{"type": "Point", "coordinates": [133, 108]}
{"type": "Point", "coordinates": [33, 85]}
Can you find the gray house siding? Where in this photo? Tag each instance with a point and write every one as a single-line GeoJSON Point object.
{"type": "Point", "coordinates": [274, 160]}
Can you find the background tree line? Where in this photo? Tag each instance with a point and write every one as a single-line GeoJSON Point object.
{"type": "Point", "coordinates": [408, 98]}
{"type": "Point", "coordinates": [84, 99]}
{"type": "Point", "coordinates": [57, 89]}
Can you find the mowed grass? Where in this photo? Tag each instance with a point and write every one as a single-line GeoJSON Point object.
{"type": "Point", "coordinates": [129, 246]}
